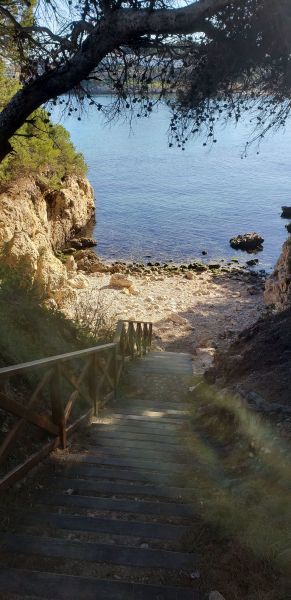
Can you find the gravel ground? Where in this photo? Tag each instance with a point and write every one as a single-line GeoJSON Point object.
{"type": "Point", "coordinates": [196, 315]}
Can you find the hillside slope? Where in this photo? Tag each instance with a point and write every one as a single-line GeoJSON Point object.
{"type": "Point", "coordinates": [259, 359]}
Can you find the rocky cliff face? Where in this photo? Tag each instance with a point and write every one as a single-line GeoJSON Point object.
{"type": "Point", "coordinates": [34, 222]}
{"type": "Point", "coordinates": [278, 288]}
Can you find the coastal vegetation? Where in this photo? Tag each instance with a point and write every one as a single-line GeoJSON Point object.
{"type": "Point", "coordinates": [40, 148]}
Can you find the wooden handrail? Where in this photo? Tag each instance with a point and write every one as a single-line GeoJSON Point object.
{"type": "Point", "coordinates": [53, 360]}
{"type": "Point", "coordinates": [95, 384]}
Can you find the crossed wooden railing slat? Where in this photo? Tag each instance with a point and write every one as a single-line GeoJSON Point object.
{"type": "Point", "coordinates": [93, 374]}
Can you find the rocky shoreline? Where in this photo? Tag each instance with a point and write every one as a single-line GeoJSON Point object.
{"type": "Point", "coordinates": [195, 307]}
{"type": "Point", "coordinates": [88, 261]}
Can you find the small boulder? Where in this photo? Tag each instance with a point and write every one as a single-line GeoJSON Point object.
{"type": "Point", "coordinates": [133, 291]}
{"type": "Point", "coordinates": [252, 263]}
{"type": "Point", "coordinates": [248, 241]}
{"type": "Point", "coordinates": [82, 242]}
{"type": "Point", "coordinates": [120, 281]}
{"type": "Point", "coordinates": [198, 267]}
{"type": "Point", "coordinates": [69, 251]}
{"type": "Point", "coordinates": [216, 596]}
{"type": "Point", "coordinates": [76, 244]}
{"type": "Point", "coordinates": [286, 212]}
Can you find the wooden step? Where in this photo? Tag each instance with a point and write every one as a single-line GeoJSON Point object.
{"type": "Point", "coordinates": [160, 445]}
{"type": "Point", "coordinates": [128, 437]}
{"type": "Point", "coordinates": [155, 416]}
{"type": "Point", "coordinates": [123, 463]}
{"type": "Point", "coordinates": [146, 530]}
{"type": "Point", "coordinates": [97, 553]}
{"type": "Point", "coordinates": [83, 485]}
{"type": "Point", "coordinates": [96, 472]}
{"type": "Point", "coordinates": [139, 405]}
{"type": "Point", "coordinates": [170, 509]}
{"type": "Point", "coordinates": [157, 455]}
{"type": "Point", "coordinates": [154, 428]}
{"type": "Point", "coordinates": [52, 586]}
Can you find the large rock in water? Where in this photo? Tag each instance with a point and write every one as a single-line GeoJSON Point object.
{"type": "Point", "coordinates": [248, 241]}
{"type": "Point", "coordinates": [286, 212]}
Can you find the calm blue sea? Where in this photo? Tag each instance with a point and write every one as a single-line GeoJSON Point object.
{"type": "Point", "coordinates": [160, 202]}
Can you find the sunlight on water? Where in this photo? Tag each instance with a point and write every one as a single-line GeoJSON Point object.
{"type": "Point", "coordinates": [168, 204]}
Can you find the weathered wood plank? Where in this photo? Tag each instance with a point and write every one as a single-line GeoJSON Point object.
{"type": "Point", "coordinates": [112, 440]}
{"type": "Point", "coordinates": [81, 485]}
{"type": "Point", "coordinates": [99, 553]}
{"type": "Point", "coordinates": [66, 587]}
{"type": "Point", "coordinates": [160, 531]}
{"type": "Point", "coordinates": [137, 427]}
{"type": "Point", "coordinates": [96, 472]}
{"type": "Point", "coordinates": [121, 457]}
{"type": "Point", "coordinates": [158, 454]}
{"type": "Point", "coordinates": [152, 446]}
{"type": "Point", "coordinates": [163, 509]}
{"type": "Point", "coordinates": [16, 430]}
{"type": "Point", "coordinates": [22, 470]}
{"type": "Point", "coordinates": [154, 417]}
{"type": "Point", "coordinates": [126, 460]}
{"type": "Point", "coordinates": [53, 360]}
{"type": "Point", "coordinates": [17, 409]}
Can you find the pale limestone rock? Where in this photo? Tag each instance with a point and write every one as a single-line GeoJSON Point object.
{"type": "Point", "coordinates": [72, 207]}
{"type": "Point", "coordinates": [79, 282]}
{"type": "Point", "coordinates": [216, 596]}
{"type": "Point", "coordinates": [20, 251]}
{"type": "Point", "coordinates": [278, 288]}
{"type": "Point", "coordinates": [6, 233]}
{"type": "Point", "coordinates": [50, 273]}
{"type": "Point", "coordinates": [71, 265]}
{"type": "Point", "coordinates": [120, 281]}
{"type": "Point", "coordinates": [34, 221]}
{"type": "Point", "coordinates": [133, 291]}
{"type": "Point", "coordinates": [177, 319]}
{"type": "Point", "coordinates": [66, 296]}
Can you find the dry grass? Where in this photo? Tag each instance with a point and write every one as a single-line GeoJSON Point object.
{"type": "Point", "coordinates": [242, 499]}
{"type": "Point", "coordinates": [94, 317]}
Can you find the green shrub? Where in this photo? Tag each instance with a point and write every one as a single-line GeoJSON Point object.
{"type": "Point", "coordinates": [39, 147]}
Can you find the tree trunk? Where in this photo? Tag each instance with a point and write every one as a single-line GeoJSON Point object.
{"type": "Point", "coordinates": [119, 27]}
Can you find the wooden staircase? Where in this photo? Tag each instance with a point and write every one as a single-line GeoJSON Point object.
{"type": "Point", "coordinates": [110, 517]}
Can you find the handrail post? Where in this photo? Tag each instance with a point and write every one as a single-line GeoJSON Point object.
{"type": "Point", "coordinates": [93, 384]}
{"type": "Point", "coordinates": [145, 338]}
{"type": "Point", "coordinates": [150, 334]}
{"type": "Point", "coordinates": [139, 339]}
{"type": "Point", "coordinates": [131, 338]}
{"type": "Point", "coordinates": [115, 363]}
{"type": "Point", "coordinates": [58, 416]}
